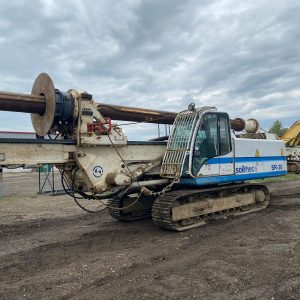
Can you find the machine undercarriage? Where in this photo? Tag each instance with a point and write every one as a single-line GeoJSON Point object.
{"type": "Point", "coordinates": [184, 208]}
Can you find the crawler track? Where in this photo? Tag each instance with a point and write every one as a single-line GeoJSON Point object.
{"type": "Point", "coordinates": [140, 210]}
{"type": "Point", "coordinates": [163, 206]}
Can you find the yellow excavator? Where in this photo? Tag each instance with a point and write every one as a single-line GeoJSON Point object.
{"type": "Point", "coordinates": [292, 141]}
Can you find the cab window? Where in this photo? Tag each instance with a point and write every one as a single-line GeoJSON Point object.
{"type": "Point", "coordinates": [212, 139]}
{"type": "Point", "coordinates": [225, 139]}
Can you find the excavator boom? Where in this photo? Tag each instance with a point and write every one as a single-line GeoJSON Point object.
{"type": "Point", "coordinates": [292, 136]}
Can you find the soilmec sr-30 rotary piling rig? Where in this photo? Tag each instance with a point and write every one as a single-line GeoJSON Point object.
{"type": "Point", "coordinates": [198, 173]}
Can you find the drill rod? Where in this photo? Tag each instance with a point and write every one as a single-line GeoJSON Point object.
{"type": "Point", "coordinates": [22, 103]}
{"type": "Point", "coordinates": [26, 103]}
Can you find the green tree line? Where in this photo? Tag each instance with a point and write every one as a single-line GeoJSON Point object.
{"type": "Point", "coordinates": [278, 128]}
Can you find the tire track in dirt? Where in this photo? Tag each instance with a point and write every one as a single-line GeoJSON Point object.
{"type": "Point", "coordinates": [92, 257]}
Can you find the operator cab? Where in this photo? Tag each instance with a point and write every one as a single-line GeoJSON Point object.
{"type": "Point", "coordinates": [199, 135]}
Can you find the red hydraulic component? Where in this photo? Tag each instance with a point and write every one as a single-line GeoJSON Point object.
{"type": "Point", "coordinates": [100, 126]}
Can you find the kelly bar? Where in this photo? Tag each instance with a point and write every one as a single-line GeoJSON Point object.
{"type": "Point", "coordinates": [43, 99]}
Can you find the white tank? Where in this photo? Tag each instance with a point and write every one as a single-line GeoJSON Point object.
{"type": "Point", "coordinates": [251, 125]}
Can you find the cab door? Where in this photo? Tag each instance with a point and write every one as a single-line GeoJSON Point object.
{"type": "Point", "coordinates": [226, 153]}
{"type": "Point", "coordinates": [212, 149]}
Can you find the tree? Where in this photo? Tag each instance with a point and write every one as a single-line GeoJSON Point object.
{"type": "Point", "coordinates": [277, 128]}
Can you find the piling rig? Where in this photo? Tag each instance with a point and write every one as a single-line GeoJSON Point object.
{"type": "Point", "coordinates": [196, 173]}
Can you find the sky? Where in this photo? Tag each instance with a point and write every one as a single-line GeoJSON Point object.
{"type": "Point", "coordinates": [240, 56]}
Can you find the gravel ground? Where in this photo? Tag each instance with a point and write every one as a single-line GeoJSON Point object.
{"type": "Point", "coordinates": [50, 249]}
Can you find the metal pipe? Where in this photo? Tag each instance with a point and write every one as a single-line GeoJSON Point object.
{"type": "Point", "coordinates": [135, 114]}
{"type": "Point", "coordinates": [37, 104]}
{"type": "Point", "coordinates": [148, 183]}
{"type": "Point", "coordinates": [22, 103]}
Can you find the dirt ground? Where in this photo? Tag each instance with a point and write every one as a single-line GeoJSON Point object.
{"type": "Point", "coordinates": [50, 249]}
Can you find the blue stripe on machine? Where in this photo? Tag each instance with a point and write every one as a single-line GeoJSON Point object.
{"type": "Point", "coordinates": [230, 160]}
{"type": "Point", "coordinates": [228, 178]}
